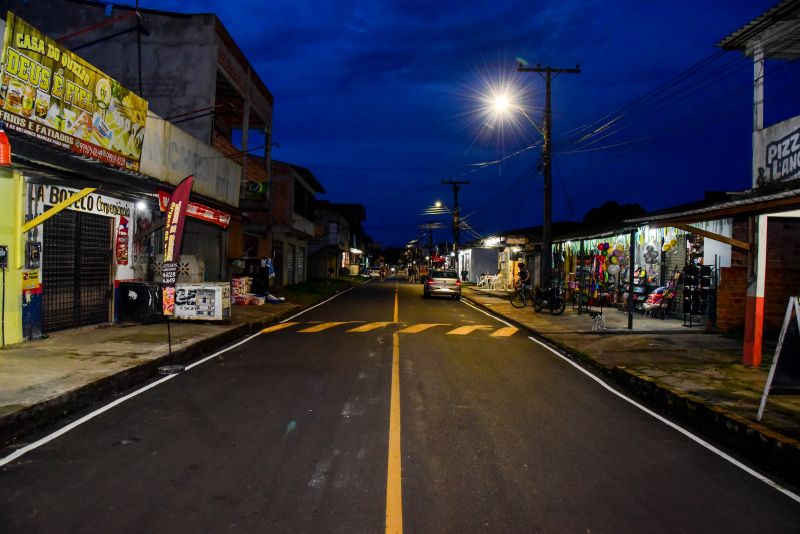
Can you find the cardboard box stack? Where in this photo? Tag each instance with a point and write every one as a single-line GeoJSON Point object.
{"type": "Point", "coordinates": [240, 289]}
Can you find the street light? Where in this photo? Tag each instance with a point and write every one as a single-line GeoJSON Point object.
{"type": "Point", "coordinates": [502, 104]}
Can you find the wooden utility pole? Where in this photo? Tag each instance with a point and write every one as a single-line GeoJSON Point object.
{"type": "Point", "coordinates": [456, 222]}
{"type": "Point", "coordinates": [547, 255]}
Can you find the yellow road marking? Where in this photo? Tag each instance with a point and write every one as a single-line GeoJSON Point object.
{"type": "Point", "coordinates": [276, 327]}
{"type": "Point", "coordinates": [394, 481]}
{"type": "Point", "coordinates": [464, 330]}
{"type": "Point", "coordinates": [394, 472]}
{"type": "Point", "coordinates": [370, 326]}
{"type": "Point", "coordinates": [417, 328]}
{"type": "Point", "coordinates": [324, 326]}
{"type": "Point", "coordinates": [505, 332]}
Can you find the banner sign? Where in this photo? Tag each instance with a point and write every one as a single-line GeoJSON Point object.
{"type": "Point", "coordinates": [173, 233]}
{"type": "Point", "coordinates": [122, 242]}
{"type": "Point", "coordinates": [198, 211]}
{"type": "Point", "coordinates": [54, 95]}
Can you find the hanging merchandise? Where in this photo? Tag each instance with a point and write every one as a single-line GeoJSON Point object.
{"type": "Point", "coordinates": [651, 256]}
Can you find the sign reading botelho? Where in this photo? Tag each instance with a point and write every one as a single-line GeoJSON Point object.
{"type": "Point", "coordinates": [54, 95]}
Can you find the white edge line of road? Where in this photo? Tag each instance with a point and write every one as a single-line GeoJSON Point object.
{"type": "Point", "coordinates": [795, 497]}
{"type": "Point", "coordinates": [63, 430]}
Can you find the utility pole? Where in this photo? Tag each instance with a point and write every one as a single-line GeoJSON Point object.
{"type": "Point", "coordinates": [547, 256]}
{"type": "Point", "coordinates": [430, 227]}
{"type": "Point", "coordinates": [456, 222]}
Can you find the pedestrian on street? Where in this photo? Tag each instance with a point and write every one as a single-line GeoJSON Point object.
{"type": "Point", "coordinates": [524, 276]}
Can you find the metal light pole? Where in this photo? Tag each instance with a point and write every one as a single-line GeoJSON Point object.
{"type": "Point", "coordinates": [547, 256]}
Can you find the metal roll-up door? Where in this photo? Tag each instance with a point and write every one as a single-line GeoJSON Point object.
{"type": "Point", "coordinates": [290, 265]}
{"type": "Point", "coordinates": [76, 270]}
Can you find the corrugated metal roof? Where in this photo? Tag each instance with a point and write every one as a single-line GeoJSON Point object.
{"type": "Point", "coordinates": [710, 210]}
{"type": "Point", "coordinates": [783, 11]}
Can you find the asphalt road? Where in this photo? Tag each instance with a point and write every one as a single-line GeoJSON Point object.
{"type": "Point", "coordinates": [291, 432]}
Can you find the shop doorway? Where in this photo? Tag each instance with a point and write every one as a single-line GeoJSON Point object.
{"type": "Point", "coordinates": [76, 273]}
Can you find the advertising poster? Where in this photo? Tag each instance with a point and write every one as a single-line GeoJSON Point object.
{"type": "Point", "coordinates": [49, 93]}
{"type": "Point", "coordinates": [173, 233]}
{"type": "Point", "coordinates": [122, 242]}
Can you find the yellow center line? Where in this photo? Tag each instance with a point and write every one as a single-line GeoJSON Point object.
{"type": "Point", "coordinates": [394, 480]}
{"type": "Point", "coordinates": [276, 327]}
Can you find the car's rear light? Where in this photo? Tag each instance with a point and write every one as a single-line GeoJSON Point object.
{"type": "Point", "coordinates": [458, 282]}
{"type": "Point", "coordinates": [430, 281]}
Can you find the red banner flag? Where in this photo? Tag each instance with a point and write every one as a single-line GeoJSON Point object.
{"type": "Point", "coordinates": [173, 232]}
{"type": "Point", "coordinates": [198, 211]}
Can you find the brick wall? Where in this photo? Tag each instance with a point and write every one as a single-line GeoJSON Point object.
{"type": "Point", "coordinates": [731, 294]}
{"type": "Point", "coordinates": [281, 199]}
{"type": "Point", "coordinates": [782, 277]}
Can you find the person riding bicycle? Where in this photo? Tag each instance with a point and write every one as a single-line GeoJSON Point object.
{"type": "Point", "coordinates": [524, 276]}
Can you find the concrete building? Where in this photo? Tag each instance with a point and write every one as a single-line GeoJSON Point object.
{"type": "Point", "coordinates": [192, 73]}
{"type": "Point", "coordinates": [292, 220]}
{"type": "Point", "coordinates": [771, 36]}
{"type": "Point", "coordinates": [340, 249]}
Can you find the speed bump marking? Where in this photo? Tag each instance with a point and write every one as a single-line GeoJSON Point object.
{"type": "Point", "coordinates": [417, 328]}
{"type": "Point", "coordinates": [370, 326]}
{"type": "Point", "coordinates": [323, 326]}
{"type": "Point", "coordinates": [276, 327]}
{"type": "Point", "coordinates": [505, 332]}
{"type": "Point", "coordinates": [464, 330]}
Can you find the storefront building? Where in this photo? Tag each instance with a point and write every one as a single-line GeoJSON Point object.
{"type": "Point", "coordinates": [88, 161]}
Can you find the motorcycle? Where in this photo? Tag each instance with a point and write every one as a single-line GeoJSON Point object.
{"type": "Point", "coordinates": [553, 298]}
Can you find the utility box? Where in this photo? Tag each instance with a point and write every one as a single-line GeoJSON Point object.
{"type": "Point", "coordinates": [209, 301]}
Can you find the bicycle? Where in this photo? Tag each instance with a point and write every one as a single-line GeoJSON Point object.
{"type": "Point", "coordinates": [521, 296]}
{"type": "Point", "coordinates": [553, 298]}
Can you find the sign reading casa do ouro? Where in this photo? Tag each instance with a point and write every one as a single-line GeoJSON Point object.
{"type": "Point", "coordinates": [48, 92]}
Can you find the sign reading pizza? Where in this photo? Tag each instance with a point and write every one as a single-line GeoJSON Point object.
{"type": "Point", "coordinates": [48, 92]}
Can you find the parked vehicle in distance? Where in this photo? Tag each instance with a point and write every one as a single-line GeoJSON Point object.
{"type": "Point", "coordinates": [442, 283]}
{"type": "Point", "coordinates": [375, 272]}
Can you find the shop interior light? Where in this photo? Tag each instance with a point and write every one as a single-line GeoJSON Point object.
{"type": "Point", "coordinates": [141, 205]}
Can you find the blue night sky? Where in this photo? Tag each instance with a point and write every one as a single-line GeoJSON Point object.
{"type": "Point", "coordinates": [382, 101]}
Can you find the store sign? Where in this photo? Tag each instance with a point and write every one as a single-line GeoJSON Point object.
{"type": "Point", "coordinates": [198, 211]}
{"type": "Point", "coordinates": [54, 95]}
{"type": "Point", "coordinates": [93, 203]}
{"type": "Point", "coordinates": [173, 234]}
{"type": "Point", "coordinates": [30, 281]}
{"type": "Point", "coordinates": [783, 157]}
{"type": "Point", "coordinates": [777, 151]}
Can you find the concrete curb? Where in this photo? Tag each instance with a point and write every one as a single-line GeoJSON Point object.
{"type": "Point", "coordinates": [28, 419]}
{"type": "Point", "coordinates": [772, 451]}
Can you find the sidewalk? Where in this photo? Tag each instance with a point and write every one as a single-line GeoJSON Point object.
{"type": "Point", "coordinates": [695, 378]}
